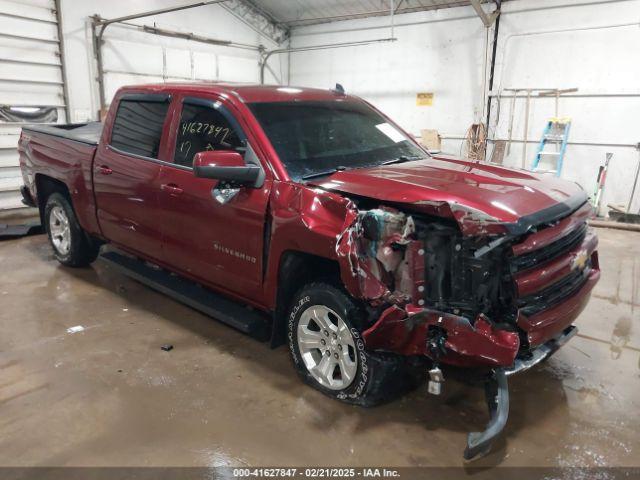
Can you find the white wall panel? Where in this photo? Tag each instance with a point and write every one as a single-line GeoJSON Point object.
{"type": "Point", "coordinates": [13, 93]}
{"type": "Point", "coordinates": [37, 73]}
{"type": "Point", "coordinates": [205, 66]}
{"type": "Point", "coordinates": [32, 5]}
{"type": "Point", "coordinates": [178, 62]}
{"type": "Point", "coordinates": [116, 80]}
{"type": "Point", "coordinates": [131, 50]}
{"type": "Point", "coordinates": [9, 157]}
{"type": "Point", "coordinates": [238, 69]}
{"type": "Point", "coordinates": [29, 28]}
{"type": "Point", "coordinates": [40, 10]}
{"type": "Point", "coordinates": [438, 52]}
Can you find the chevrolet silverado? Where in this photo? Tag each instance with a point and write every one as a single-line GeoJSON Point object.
{"type": "Point", "coordinates": [310, 216]}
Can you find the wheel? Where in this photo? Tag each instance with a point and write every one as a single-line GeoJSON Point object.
{"type": "Point", "coordinates": [328, 352]}
{"type": "Point", "coordinates": [71, 245]}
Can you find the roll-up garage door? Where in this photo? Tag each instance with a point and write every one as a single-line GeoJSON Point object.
{"type": "Point", "coordinates": [31, 82]}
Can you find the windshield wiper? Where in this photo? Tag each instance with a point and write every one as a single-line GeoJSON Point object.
{"type": "Point", "coordinates": [402, 159]}
{"type": "Point", "coordinates": [323, 174]}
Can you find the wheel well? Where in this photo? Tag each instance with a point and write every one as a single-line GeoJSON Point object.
{"type": "Point", "coordinates": [296, 270]}
{"type": "Point", "coordinates": [45, 186]}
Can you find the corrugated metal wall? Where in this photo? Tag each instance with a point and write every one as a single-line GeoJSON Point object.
{"type": "Point", "coordinates": [30, 75]}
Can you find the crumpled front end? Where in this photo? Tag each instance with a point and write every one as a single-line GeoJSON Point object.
{"type": "Point", "coordinates": [501, 303]}
{"type": "Point", "coordinates": [467, 300]}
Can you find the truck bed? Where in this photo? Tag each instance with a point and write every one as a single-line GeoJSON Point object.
{"type": "Point", "coordinates": [88, 133]}
{"type": "Point", "coordinates": [62, 153]}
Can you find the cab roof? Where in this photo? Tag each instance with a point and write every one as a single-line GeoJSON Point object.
{"type": "Point", "coordinates": [244, 92]}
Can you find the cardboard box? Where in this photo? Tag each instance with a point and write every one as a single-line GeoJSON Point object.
{"type": "Point", "coordinates": [431, 140]}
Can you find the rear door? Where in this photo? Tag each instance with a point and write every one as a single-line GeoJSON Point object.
{"type": "Point", "coordinates": [211, 234]}
{"type": "Point", "coordinates": [126, 174]}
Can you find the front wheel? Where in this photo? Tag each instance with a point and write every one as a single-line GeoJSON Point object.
{"type": "Point", "coordinates": [71, 245]}
{"type": "Point", "coordinates": [328, 352]}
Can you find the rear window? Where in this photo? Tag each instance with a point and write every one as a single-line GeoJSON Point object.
{"type": "Point", "coordinates": [137, 128]}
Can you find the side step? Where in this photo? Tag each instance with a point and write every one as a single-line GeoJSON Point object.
{"type": "Point", "coordinates": [251, 322]}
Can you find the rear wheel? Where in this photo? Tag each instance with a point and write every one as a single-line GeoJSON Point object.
{"type": "Point", "coordinates": [328, 352]}
{"type": "Point", "coordinates": [71, 245]}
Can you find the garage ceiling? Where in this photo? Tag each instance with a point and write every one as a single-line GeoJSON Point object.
{"type": "Point", "coordinates": [307, 12]}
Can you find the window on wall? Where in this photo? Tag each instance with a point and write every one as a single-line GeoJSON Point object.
{"type": "Point", "coordinates": [137, 128]}
{"type": "Point", "coordinates": [203, 128]}
{"type": "Point", "coordinates": [28, 114]}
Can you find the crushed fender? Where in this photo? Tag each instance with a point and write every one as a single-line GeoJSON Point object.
{"type": "Point", "coordinates": [378, 246]}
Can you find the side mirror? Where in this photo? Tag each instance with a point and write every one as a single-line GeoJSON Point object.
{"type": "Point", "coordinates": [225, 165]}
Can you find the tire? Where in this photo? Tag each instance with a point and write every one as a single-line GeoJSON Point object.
{"type": "Point", "coordinates": [322, 312]}
{"type": "Point", "coordinates": [71, 245]}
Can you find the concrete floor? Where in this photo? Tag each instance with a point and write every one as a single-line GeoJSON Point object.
{"type": "Point", "coordinates": [110, 396]}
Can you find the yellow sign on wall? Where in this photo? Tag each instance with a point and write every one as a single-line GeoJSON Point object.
{"type": "Point", "coordinates": [424, 99]}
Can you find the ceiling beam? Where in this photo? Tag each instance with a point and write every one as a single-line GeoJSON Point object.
{"type": "Point", "coordinates": [400, 8]}
{"type": "Point", "coordinates": [258, 19]}
{"type": "Point", "coordinates": [487, 19]}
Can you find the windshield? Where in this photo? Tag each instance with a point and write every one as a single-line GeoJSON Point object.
{"type": "Point", "coordinates": [314, 137]}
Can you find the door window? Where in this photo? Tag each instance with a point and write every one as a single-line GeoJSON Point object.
{"type": "Point", "coordinates": [137, 128]}
{"type": "Point", "coordinates": [203, 128]}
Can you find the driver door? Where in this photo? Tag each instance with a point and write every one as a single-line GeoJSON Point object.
{"type": "Point", "coordinates": [215, 239]}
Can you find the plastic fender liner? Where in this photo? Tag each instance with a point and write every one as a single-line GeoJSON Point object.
{"type": "Point", "coordinates": [497, 393]}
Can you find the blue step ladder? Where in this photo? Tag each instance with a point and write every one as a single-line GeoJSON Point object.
{"type": "Point", "coordinates": [556, 133]}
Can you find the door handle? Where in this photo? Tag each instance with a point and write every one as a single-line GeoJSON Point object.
{"type": "Point", "coordinates": [104, 170]}
{"type": "Point", "coordinates": [171, 188]}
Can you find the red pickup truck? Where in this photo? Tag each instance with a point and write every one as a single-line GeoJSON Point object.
{"type": "Point", "coordinates": [310, 216]}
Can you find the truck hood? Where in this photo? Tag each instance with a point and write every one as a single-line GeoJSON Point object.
{"type": "Point", "coordinates": [482, 198]}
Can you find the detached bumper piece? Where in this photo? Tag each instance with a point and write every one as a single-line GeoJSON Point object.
{"type": "Point", "coordinates": [497, 393]}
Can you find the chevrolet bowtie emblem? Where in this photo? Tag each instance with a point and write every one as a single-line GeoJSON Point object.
{"type": "Point", "coordinates": [580, 260]}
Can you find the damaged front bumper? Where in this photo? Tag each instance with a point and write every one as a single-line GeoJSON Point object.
{"type": "Point", "coordinates": [497, 394]}
{"type": "Point", "coordinates": [495, 303]}
{"type": "Point", "coordinates": [480, 345]}
{"type": "Point", "coordinates": [541, 353]}
{"type": "Point", "coordinates": [406, 331]}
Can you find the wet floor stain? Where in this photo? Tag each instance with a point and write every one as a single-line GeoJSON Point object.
{"type": "Point", "coordinates": [108, 394]}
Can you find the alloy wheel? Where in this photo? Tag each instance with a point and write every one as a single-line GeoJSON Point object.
{"type": "Point", "coordinates": [327, 347]}
{"type": "Point", "coordinates": [60, 231]}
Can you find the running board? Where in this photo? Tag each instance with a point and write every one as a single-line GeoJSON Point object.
{"type": "Point", "coordinates": [251, 322]}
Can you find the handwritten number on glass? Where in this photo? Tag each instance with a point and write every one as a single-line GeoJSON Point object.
{"type": "Point", "coordinates": [219, 133]}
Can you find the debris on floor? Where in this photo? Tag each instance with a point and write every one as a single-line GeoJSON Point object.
{"type": "Point", "coordinates": [76, 329]}
{"type": "Point", "coordinates": [167, 348]}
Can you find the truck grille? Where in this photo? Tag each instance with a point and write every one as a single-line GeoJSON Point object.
{"type": "Point", "coordinates": [537, 260]}
{"type": "Point", "coordinates": [551, 251]}
{"type": "Point", "coordinates": [550, 296]}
